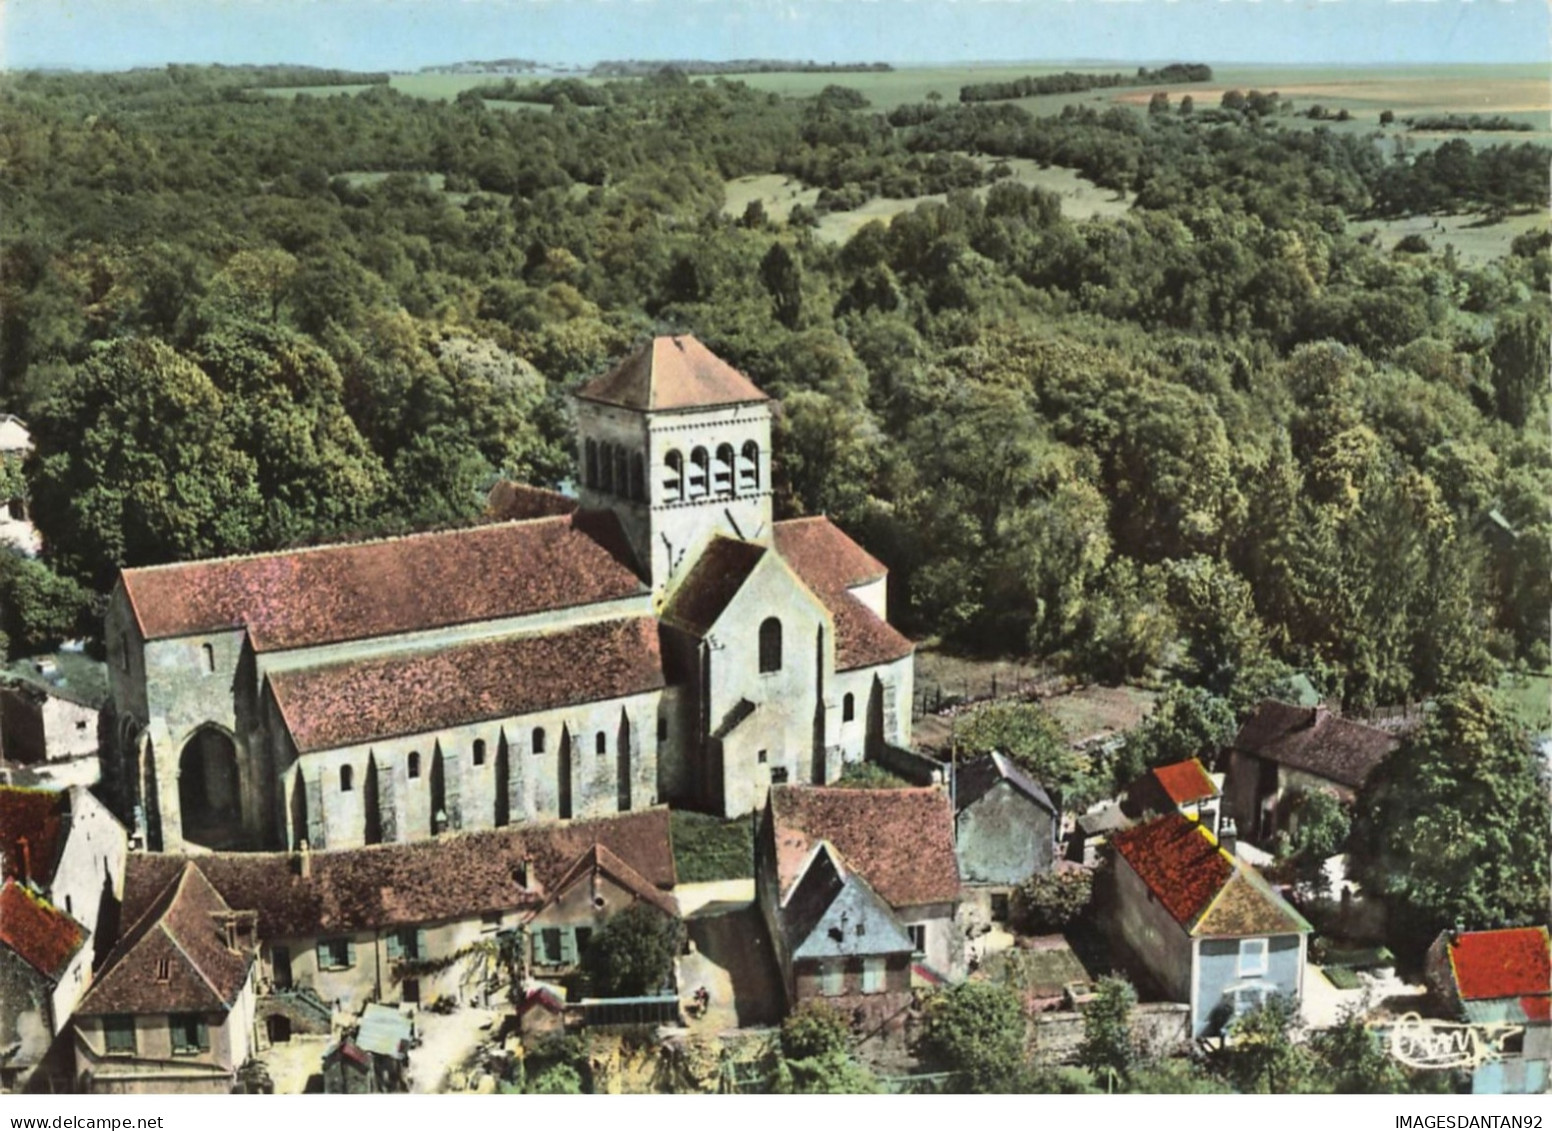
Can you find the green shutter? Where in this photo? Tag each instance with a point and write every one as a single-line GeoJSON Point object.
{"type": "Point", "coordinates": [393, 944]}
{"type": "Point", "coordinates": [420, 944]}
{"type": "Point", "coordinates": [350, 953]}
{"type": "Point", "coordinates": [204, 1036]}
{"type": "Point", "coordinates": [323, 954]}
{"type": "Point", "coordinates": [568, 946]}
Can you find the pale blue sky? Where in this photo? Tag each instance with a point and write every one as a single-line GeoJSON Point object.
{"type": "Point", "coordinates": [407, 34]}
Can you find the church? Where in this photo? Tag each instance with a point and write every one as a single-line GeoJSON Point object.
{"type": "Point", "coordinates": [658, 639]}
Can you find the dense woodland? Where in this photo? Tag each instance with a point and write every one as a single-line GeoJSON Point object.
{"type": "Point", "coordinates": [1212, 443]}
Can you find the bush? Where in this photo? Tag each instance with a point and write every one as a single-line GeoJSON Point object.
{"type": "Point", "coordinates": [1048, 903]}
{"type": "Point", "coordinates": [634, 953]}
{"type": "Point", "coordinates": [977, 1030]}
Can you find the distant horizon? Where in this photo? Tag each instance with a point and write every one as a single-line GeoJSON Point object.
{"type": "Point", "coordinates": [404, 36]}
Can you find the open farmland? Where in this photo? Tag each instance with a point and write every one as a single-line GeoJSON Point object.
{"type": "Point", "coordinates": [1475, 241]}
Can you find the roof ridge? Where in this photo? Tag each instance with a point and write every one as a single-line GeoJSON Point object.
{"type": "Point", "coordinates": [380, 540]}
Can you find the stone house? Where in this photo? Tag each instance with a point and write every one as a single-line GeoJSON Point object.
{"type": "Point", "coordinates": [172, 1009]}
{"type": "Point", "coordinates": [1005, 830]}
{"type": "Point", "coordinates": [1281, 748]}
{"type": "Point", "coordinates": [1500, 981]}
{"type": "Point", "coordinates": [16, 528]}
{"type": "Point", "coordinates": [61, 873]}
{"type": "Point", "coordinates": [417, 923]}
{"type": "Point", "coordinates": [566, 659]}
{"type": "Point", "coordinates": [1203, 924]}
{"type": "Point", "coordinates": [1181, 787]}
{"type": "Point", "coordinates": [899, 843]}
{"type": "Point", "coordinates": [50, 713]}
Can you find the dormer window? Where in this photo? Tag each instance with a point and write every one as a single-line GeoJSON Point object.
{"type": "Point", "coordinates": [164, 969]}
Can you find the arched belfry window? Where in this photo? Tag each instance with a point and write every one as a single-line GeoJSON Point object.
{"type": "Point", "coordinates": [700, 473]}
{"type": "Point", "coordinates": [749, 468]}
{"type": "Point", "coordinates": [638, 484]}
{"type": "Point", "coordinates": [770, 645]}
{"type": "Point", "coordinates": [590, 472]}
{"type": "Point", "coordinates": [722, 472]}
{"type": "Point", "coordinates": [621, 471]}
{"type": "Point", "coordinates": [673, 477]}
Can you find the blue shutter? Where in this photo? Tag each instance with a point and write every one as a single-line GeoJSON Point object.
{"type": "Point", "coordinates": [204, 1036]}
{"type": "Point", "coordinates": [393, 944]}
{"type": "Point", "coordinates": [323, 954]}
{"type": "Point", "coordinates": [420, 944]}
{"type": "Point", "coordinates": [350, 953]}
{"type": "Point", "coordinates": [568, 946]}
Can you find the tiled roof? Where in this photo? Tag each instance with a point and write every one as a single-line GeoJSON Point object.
{"type": "Point", "coordinates": [822, 552]}
{"type": "Point", "coordinates": [1509, 963]}
{"type": "Point", "coordinates": [518, 502]}
{"type": "Point", "coordinates": [179, 935]}
{"type": "Point", "coordinates": [333, 593]}
{"type": "Point", "coordinates": [713, 581]}
{"type": "Point", "coordinates": [41, 818]}
{"type": "Point", "coordinates": [672, 373]}
{"type": "Point", "coordinates": [900, 840]}
{"type": "Point", "coordinates": [450, 877]}
{"type": "Point", "coordinates": [38, 932]}
{"type": "Point", "coordinates": [975, 779]}
{"type": "Point", "coordinates": [829, 562]}
{"type": "Point", "coordinates": [1316, 741]}
{"type": "Point", "coordinates": [364, 700]}
{"type": "Point", "coordinates": [600, 859]}
{"type": "Point", "coordinates": [1185, 782]}
{"type": "Point", "coordinates": [1204, 889]}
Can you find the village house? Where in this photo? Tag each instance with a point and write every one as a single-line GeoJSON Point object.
{"type": "Point", "coordinates": [1500, 981]}
{"type": "Point", "coordinates": [1281, 749]}
{"type": "Point", "coordinates": [661, 639]}
{"type": "Point", "coordinates": [1181, 787]}
{"type": "Point", "coordinates": [50, 717]}
{"type": "Point", "coordinates": [61, 875]}
{"type": "Point", "coordinates": [829, 860]}
{"type": "Point", "coordinates": [1005, 830]}
{"type": "Point", "coordinates": [172, 1009]}
{"type": "Point", "coordinates": [420, 923]}
{"type": "Point", "coordinates": [16, 529]}
{"type": "Point", "coordinates": [1203, 924]}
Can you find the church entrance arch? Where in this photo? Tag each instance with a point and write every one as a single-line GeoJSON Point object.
{"type": "Point", "coordinates": [208, 789]}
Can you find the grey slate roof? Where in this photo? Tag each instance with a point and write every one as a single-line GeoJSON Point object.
{"type": "Point", "coordinates": [974, 780]}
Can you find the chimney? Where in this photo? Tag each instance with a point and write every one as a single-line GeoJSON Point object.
{"type": "Point", "coordinates": [1228, 835]}
{"type": "Point", "coordinates": [1316, 714]}
{"type": "Point", "coordinates": [304, 859]}
{"type": "Point", "coordinates": [24, 858]}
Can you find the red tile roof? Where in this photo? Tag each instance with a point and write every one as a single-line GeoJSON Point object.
{"type": "Point", "coordinates": [900, 840]}
{"type": "Point", "coordinates": [38, 932]}
{"type": "Point", "coordinates": [1316, 741]}
{"type": "Point", "coordinates": [1509, 963]}
{"type": "Point", "coordinates": [446, 878]}
{"type": "Point", "coordinates": [1184, 782]}
{"type": "Point", "coordinates": [351, 592]}
{"type": "Point", "coordinates": [672, 373]}
{"type": "Point", "coordinates": [364, 700]}
{"type": "Point", "coordinates": [601, 859]}
{"type": "Point", "coordinates": [713, 581]}
{"type": "Point", "coordinates": [40, 817]}
{"type": "Point", "coordinates": [829, 563]}
{"type": "Point", "coordinates": [518, 502]}
{"type": "Point", "coordinates": [1202, 886]}
{"type": "Point", "coordinates": [179, 935]}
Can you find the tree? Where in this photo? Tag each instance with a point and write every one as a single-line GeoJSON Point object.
{"type": "Point", "coordinates": [1387, 117]}
{"type": "Point", "coordinates": [1028, 735]}
{"type": "Point", "coordinates": [1263, 1056]}
{"type": "Point", "coordinates": [977, 1031]}
{"type": "Point", "coordinates": [783, 280]}
{"type": "Point", "coordinates": [1519, 357]}
{"type": "Point", "coordinates": [1049, 902]}
{"type": "Point", "coordinates": [1454, 826]}
{"type": "Point", "coordinates": [1186, 722]}
{"type": "Point", "coordinates": [1355, 1059]}
{"type": "Point", "coordinates": [38, 607]}
{"type": "Point", "coordinates": [1159, 103]}
{"type": "Point", "coordinates": [633, 954]}
{"type": "Point", "coordinates": [1107, 1049]}
{"type": "Point", "coordinates": [1320, 830]}
{"type": "Point", "coordinates": [816, 1053]}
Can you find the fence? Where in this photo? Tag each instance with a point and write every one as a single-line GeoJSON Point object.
{"type": "Point", "coordinates": [940, 693]}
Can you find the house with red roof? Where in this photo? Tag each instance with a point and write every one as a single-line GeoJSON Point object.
{"type": "Point", "coordinates": [1500, 981]}
{"type": "Point", "coordinates": [859, 889]}
{"type": "Point", "coordinates": [1202, 924]}
{"type": "Point", "coordinates": [658, 639]}
{"type": "Point", "coordinates": [1181, 787]}
{"type": "Point", "coordinates": [173, 1007]}
{"type": "Point", "coordinates": [61, 875]}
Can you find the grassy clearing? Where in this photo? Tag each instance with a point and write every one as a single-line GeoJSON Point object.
{"type": "Point", "coordinates": [709, 848]}
{"type": "Point", "coordinates": [1039, 973]}
{"type": "Point", "coordinates": [1475, 241]}
{"type": "Point", "coordinates": [1530, 695]}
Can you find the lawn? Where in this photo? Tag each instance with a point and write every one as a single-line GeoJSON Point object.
{"type": "Point", "coordinates": [709, 848]}
{"type": "Point", "coordinates": [1530, 696]}
{"type": "Point", "coordinates": [1476, 242]}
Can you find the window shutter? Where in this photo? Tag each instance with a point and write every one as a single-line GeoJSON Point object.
{"type": "Point", "coordinates": [568, 946]}
{"type": "Point", "coordinates": [420, 944]}
{"type": "Point", "coordinates": [394, 950]}
{"type": "Point", "coordinates": [350, 953]}
{"type": "Point", "coordinates": [204, 1036]}
{"type": "Point", "coordinates": [323, 954]}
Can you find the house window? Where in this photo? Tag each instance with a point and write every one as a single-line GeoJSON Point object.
{"type": "Point", "coordinates": [778, 775]}
{"type": "Point", "coordinates": [770, 645]}
{"type": "Point", "coordinates": [407, 945]}
{"type": "Point", "coordinates": [189, 1034]}
{"type": "Point", "coordinates": [848, 708]}
{"type": "Point", "coordinates": [347, 778]}
{"type": "Point", "coordinates": [538, 740]}
{"type": "Point", "coordinates": [600, 744]}
{"type": "Point", "coordinates": [412, 764]}
{"type": "Point", "coordinates": [558, 946]}
{"type": "Point", "coordinates": [832, 979]}
{"type": "Point", "coordinates": [119, 1031]}
{"type": "Point", "coordinates": [662, 730]}
{"type": "Point", "coordinates": [479, 751]}
{"type": "Point", "coordinates": [1247, 999]}
{"type": "Point", "coordinates": [164, 969]}
{"type": "Point", "coordinates": [490, 921]}
{"type": "Point", "coordinates": [762, 757]}
{"type": "Point", "coordinates": [918, 933]}
{"type": "Point", "coordinates": [872, 975]}
{"type": "Point", "coordinates": [1000, 909]}
{"type": "Point", "coordinates": [336, 954]}
{"type": "Point", "coordinates": [1252, 957]}
{"type": "Point", "coordinates": [207, 658]}
{"type": "Point", "coordinates": [638, 482]}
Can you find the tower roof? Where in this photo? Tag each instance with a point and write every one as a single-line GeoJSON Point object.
{"type": "Point", "coordinates": [670, 373]}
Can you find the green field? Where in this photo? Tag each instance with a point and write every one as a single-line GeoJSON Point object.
{"type": "Point", "coordinates": [1475, 240]}
{"type": "Point", "coordinates": [1530, 695]}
